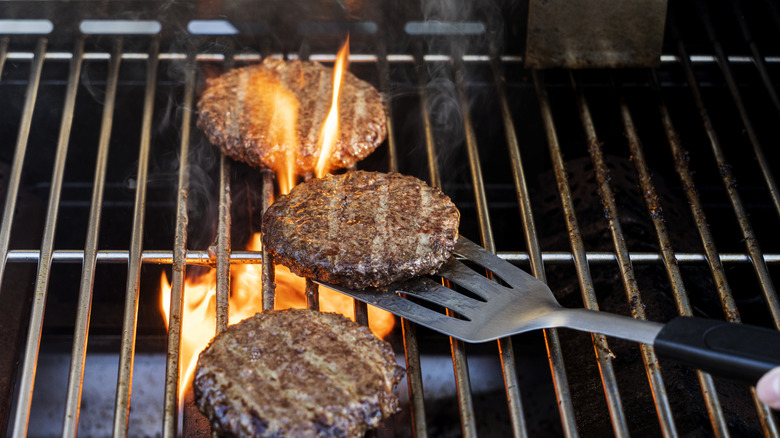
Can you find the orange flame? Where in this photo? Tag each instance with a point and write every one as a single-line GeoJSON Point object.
{"type": "Point", "coordinates": [330, 129]}
{"type": "Point", "coordinates": [281, 104]}
{"type": "Point", "coordinates": [199, 311]}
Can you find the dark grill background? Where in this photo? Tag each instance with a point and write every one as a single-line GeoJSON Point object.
{"type": "Point", "coordinates": [434, 60]}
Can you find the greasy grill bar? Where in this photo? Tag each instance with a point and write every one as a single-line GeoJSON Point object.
{"type": "Point", "coordinates": [560, 101]}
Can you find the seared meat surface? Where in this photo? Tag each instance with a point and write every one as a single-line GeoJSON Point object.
{"type": "Point", "coordinates": [245, 113]}
{"type": "Point", "coordinates": [362, 229]}
{"type": "Point", "coordinates": [296, 373]}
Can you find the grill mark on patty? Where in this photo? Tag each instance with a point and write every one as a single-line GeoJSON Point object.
{"type": "Point", "coordinates": [336, 208]}
{"type": "Point", "coordinates": [328, 375]}
{"type": "Point", "coordinates": [234, 117]}
{"type": "Point", "coordinates": [379, 244]}
{"type": "Point", "coordinates": [423, 241]}
{"type": "Point", "coordinates": [362, 117]}
{"type": "Point", "coordinates": [334, 230]}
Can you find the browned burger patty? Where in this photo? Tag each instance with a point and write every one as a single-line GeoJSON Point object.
{"type": "Point", "coordinates": [239, 112]}
{"type": "Point", "coordinates": [296, 373]}
{"type": "Point", "coordinates": [362, 229]}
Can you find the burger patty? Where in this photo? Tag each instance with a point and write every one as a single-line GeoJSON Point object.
{"type": "Point", "coordinates": [246, 112]}
{"type": "Point", "coordinates": [362, 229]}
{"type": "Point", "coordinates": [296, 373]}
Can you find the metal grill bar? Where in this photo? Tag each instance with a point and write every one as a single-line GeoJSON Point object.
{"type": "Point", "coordinates": [684, 172]}
{"type": "Point", "coordinates": [505, 349]}
{"type": "Point", "coordinates": [180, 257]}
{"type": "Point", "coordinates": [205, 258]}
{"type": "Point", "coordinates": [179, 267]}
{"type": "Point", "coordinates": [720, 54]}
{"type": "Point", "coordinates": [127, 352]}
{"type": "Point", "coordinates": [223, 229]}
{"type": "Point", "coordinates": [81, 331]}
{"type": "Point", "coordinates": [414, 379]}
{"type": "Point", "coordinates": [33, 343]}
{"type": "Point", "coordinates": [267, 259]}
{"type": "Point", "coordinates": [3, 51]}
{"type": "Point", "coordinates": [667, 251]}
{"type": "Point", "coordinates": [353, 58]}
{"type": "Point", "coordinates": [600, 345]}
{"type": "Point", "coordinates": [459, 363]}
{"type": "Point", "coordinates": [729, 182]}
{"type": "Point", "coordinates": [223, 244]}
{"type": "Point", "coordinates": [19, 151]}
{"type": "Point", "coordinates": [421, 73]}
{"type": "Point", "coordinates": [757, 59]}
{"type": "Point", "coordinates": [627, 271]}
{"type": "Point", "coordinates": [768, 421]}
{"type": "Point", "coordinates": [485, 231]}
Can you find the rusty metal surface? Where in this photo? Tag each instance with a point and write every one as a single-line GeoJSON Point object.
{"type": "Point", "coordinates": [223, 245]}
{"type": "Point", "coordinates": [633, 294]}
{"type": "Point", "coordinates": [768, 420]}
{"type": "Point", "coordinates": [601, 348]}
{"type": "Point", "coordinates": [269, 287]}
{"type": "Point", "coordinates": [593, 33]}
{"type": "Point", "coordinates": [682, 301]}
{"type": "Point", "coordinates": [179, 267]}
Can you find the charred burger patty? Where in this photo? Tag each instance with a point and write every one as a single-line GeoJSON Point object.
{"type": "Point", "coordinates": [246, 113]}
{"type": "Point", "coordinates": [362, 229]}
{"type": "Point", "coordinates": [296, 373]}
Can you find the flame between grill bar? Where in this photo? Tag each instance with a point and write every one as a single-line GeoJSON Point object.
{"type": "Point", "coordinates": [179, 267]}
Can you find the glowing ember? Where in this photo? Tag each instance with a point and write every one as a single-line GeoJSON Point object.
{"type": "Point", "coordinates": [199, 311]}
{"type": "Point", "coordinates": [330, 129]}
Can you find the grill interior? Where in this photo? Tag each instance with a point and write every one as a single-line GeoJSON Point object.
{"type": "Point", "coordinates": [581, 177]}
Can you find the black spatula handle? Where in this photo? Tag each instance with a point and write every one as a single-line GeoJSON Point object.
{"type": "Point", "coordinates": [734, 351]}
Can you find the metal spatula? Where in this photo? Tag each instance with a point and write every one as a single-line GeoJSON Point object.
{"type": "Point", "coordinates": [520, 302]}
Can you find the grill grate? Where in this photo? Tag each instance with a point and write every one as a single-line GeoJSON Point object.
{"type": "Point", "coordinates": [499, 117]}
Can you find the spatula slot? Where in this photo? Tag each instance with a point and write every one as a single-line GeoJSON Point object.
{"type": "Point", "coordinates": [432, 305]}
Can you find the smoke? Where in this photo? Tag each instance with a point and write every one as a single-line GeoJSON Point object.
{"type": "Point", "coordinates": [454, 28]}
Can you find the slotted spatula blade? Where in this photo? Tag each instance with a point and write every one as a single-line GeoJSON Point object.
{"type": "Point", "coordinates": [508, 301]}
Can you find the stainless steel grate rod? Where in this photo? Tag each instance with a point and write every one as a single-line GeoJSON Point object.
{"type": "Point", "coordinates": [414, 380]}
{"type": "Point", "coordinates": [457, 348]}
{"type": "Point", "coordinates": [767, 418]}
{"type": "Point", "coordinates": [612, 393]}
{"type": "Point", "coordinates": [81, 330]}
{"type": "Point", "coordinates": [682, 301]}
{"type": "Point", "coordinates": [633, 294]}
{"type": "Point", "coordinates": [178, 266]}
{"type": "Point", "coordinates": [393, 58]}
{"type": "Point", "coordinates": [32, 346]}
{"type": "Point", "coordinates": [206, 258]}
{"type": "Point", "coordinates": [505, 348]}
{"type": "Point", "coordinates": [130, 320]}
